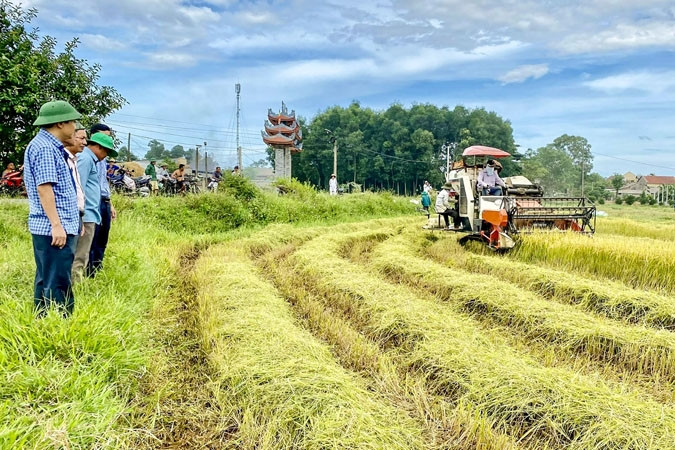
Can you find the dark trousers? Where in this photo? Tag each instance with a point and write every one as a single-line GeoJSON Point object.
{"type": "Point", "coordinates": [100, 241]}
{"type": "Point", "coordinates": [52, 274]}
{"type": "Point", "coordinates": [451, 213]}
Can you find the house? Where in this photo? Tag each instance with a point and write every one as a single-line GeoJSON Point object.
{"type": "Point", "coordinates": [652, 185]}
{"type": "Point", "coordinates": [629, 177]}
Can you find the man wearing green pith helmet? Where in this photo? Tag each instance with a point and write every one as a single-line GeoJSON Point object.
{"type": "Point", "coordinates": [98, 147]}
{"type": "Point", "coordinates": [53, 218]}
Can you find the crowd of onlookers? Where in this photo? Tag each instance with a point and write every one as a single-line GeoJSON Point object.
{"type": "Point", "coordinates": [67, 172]}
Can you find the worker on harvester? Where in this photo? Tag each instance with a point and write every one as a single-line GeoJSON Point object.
{"type": "Point", "coordinates": [489, 181]}
{"type": "Point", "coordinates": [446, 205]}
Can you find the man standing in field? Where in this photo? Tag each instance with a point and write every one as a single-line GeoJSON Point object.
{"type": "Point", "coordinates": [53, 218]}
{"type": "Point", "coordinates": [108, 213]}
{"type": "Point", "coordinates": [79, 142]}
{"type": "Point", "coordinates": [333, 185]}
{"type": "Point", "coordinates": [152, 171]}
{"type": "Point", "coordinates": [99, 146]}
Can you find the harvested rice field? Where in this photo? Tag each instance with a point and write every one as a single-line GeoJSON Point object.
{"type": "Point", "coordinates": [355, 333]}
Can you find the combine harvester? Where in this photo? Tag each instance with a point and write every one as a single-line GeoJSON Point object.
{"type": "Point", "coordinates": [495, 220]}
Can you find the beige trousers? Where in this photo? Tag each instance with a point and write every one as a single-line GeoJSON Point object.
{"type": "Point", "coordinates": [82, 252]}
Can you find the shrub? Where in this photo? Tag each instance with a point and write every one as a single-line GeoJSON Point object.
{"type": "Point", "coordinates": [652, 201]}
{"type": "Point", "coordinates": [630, 199]}
{"type": "Point", "coordinates": [601, 201]}
{"type": "Point", "coordinates": [618, 201]}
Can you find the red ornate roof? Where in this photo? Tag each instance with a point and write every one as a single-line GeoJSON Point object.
{"type": "Point", "coordinates": [282, 130]}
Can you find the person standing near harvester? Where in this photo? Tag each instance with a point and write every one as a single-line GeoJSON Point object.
{"type": "Point", "coordinates": [53, 218]}
{"type": "Point", "coordinates": [98, 147]}
{"type": "Point", "coordinates": [333, 185]}
{"type": "Point", "coordinates": [108, 213]}
{"type": "Point", "coordinates": [152, 171]}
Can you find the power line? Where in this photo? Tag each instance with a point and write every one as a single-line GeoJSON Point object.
{"type": "Point", "coordinates": [173, 127]}
{"type": "Point", "coordinates": [636, 162]}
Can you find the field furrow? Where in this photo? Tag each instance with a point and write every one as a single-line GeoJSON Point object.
{"type": "Point", "coordinates": [283, 387]}
{"type": "Point", "coordinates": [538, 405]}
{"type": "Point", "coordinates": [611, 299]}
{"type": "Point", "coordinates": [445, 425]}
{"type": "Point", "coordinates": [635, 348]}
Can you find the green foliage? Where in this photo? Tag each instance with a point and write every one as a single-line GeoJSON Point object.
{"type": "Point", "coordinates": [618, 201]}
{"type": "Point", "coordinates": [629, 199]}
{"type": "Point", "coordinates": [240, 203]}
{"type": "Point", "coordinates": [558, 167]}
{"type": "Point", "coordinates": [616, 182]}
{"type": "Point", "coordinates": [126, 155]}
{"type": "Point", "coordinates": [395, 149]}
{"type": "Point", "coordinates": [32, 74]}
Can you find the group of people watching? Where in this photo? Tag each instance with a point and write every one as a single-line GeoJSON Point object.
{"type": "Point", "coordinates": [161, 175]}
{"type": "Point", "coordinates": [447, 201]}
{"type": "Point", "coordinates": [70, 212]}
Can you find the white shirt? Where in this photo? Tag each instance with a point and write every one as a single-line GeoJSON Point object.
{"type": "Point", "coordinates": [72, 165]}
{"type": "Point", "coordinates": [443, 201]}
{"type": "Point", "coordinates": [333, 185]}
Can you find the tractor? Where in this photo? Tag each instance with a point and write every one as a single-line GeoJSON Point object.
{"type": "Point", "coordinates": [496, 219]}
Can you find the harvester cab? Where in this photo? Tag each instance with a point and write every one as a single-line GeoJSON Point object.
{"type": "Point", "coordinates": [496, 219]}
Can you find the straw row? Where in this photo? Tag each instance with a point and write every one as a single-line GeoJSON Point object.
{"type": "Point", "coordinates": [487, 297]}
{"type": "Point", "coordinates": [541, 406]}
{"type": "Point", "coordinates": [611, 299]}
{"type": "Point", "coordinates": [282, 386]}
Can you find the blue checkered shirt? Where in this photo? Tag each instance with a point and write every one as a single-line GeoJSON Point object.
{"type": "Point", "coordinates": [45, 162]}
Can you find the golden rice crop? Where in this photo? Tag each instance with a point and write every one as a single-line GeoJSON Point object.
{"type": "Point", "coordinates": [281, 385]}
{"type": "Point", "coordinates": [541, 406]}
{"type": "Point", "coordinates": [632, 228]}
{"type": "Point", "coordinates": [611, 299]}
{"type": "Point", "coordinates": [639, 262]}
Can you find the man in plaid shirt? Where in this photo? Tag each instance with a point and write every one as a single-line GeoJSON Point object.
{"type": "Point", "coordinates": [54, 218]}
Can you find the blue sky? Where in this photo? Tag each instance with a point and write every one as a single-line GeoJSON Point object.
{"type": "Point", "coordinates": [602, 69]}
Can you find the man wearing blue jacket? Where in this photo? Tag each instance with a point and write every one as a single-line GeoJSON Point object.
{"type": "Point", "coordinates": [98, 147]}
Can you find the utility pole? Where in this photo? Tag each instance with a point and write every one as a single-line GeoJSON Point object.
{"type": "Point", "coordinates": [206, 167]}
{"type": "Point", "coordinates": [333, 139]}
{"type": "Point", "coordinates": [129, 147]}
{"type": "Point", "coordinates": [237, 89]}
{"type": "Point", "coordinates": [582, 178]}
{"type": "Point", "coordinates": [197, 158]}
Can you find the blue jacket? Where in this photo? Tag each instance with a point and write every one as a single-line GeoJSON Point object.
{"type": "Point", "coordinates": [86, 165]}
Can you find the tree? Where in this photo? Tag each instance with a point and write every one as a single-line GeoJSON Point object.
{"type": "Point", "coordinates": [177, 151]}
{"type": "Point", "coordinates": [578, 148]}
{"type": "Point", "coordinates": [260, 163]}
{"type": "Point", "coordinates": [156, 151]}
{"type": "Point", "coordinates": [617, 183]}
{"type": "Point", "coordinates": [32, 74]}
{"type": "Point", "coordinates": [125, 155]}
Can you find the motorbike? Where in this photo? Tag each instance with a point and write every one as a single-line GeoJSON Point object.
{"type": "Point", "coordinates": [12, 184]}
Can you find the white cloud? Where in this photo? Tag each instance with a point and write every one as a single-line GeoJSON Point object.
{"type": "Point", "coordinates": [163, 60]}
{"type": "Point", "coordinates": [102, 43]}
{"type": "Point", "coordinates": [652, 82]}
{"type": "Point", "coordinates": [522, 73]}
{"type": "Point", "coordinates": [623, 36]}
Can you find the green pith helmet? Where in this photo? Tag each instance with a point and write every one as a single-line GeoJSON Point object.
{"type": "Point", "coordinates": [104, 141]}
{"type": "Point", "coordinates": [55, 112]}
{"type": "Point", "coordinates": [448, 186]}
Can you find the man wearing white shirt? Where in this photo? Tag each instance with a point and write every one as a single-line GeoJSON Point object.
{"type": "Point", "coordinates": [333, 185]}
{"type": "Point", "coordinates": [489, 181]}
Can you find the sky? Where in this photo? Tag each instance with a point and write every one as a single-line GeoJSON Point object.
{"type": "Point", "coordinates": [601, 69]}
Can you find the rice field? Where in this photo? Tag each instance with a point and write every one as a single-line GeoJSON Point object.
{"type": "Point", "coordinates": [369, 334]}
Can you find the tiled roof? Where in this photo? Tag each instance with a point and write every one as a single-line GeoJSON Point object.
{"type": "Point", "coordinates": [651, 179]}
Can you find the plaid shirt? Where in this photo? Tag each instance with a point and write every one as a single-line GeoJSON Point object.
{"type": "Point", "coordinates": [45, 162]}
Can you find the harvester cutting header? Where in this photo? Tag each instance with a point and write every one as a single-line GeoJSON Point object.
{"type": "Point", "coordinates": [494, 216]}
